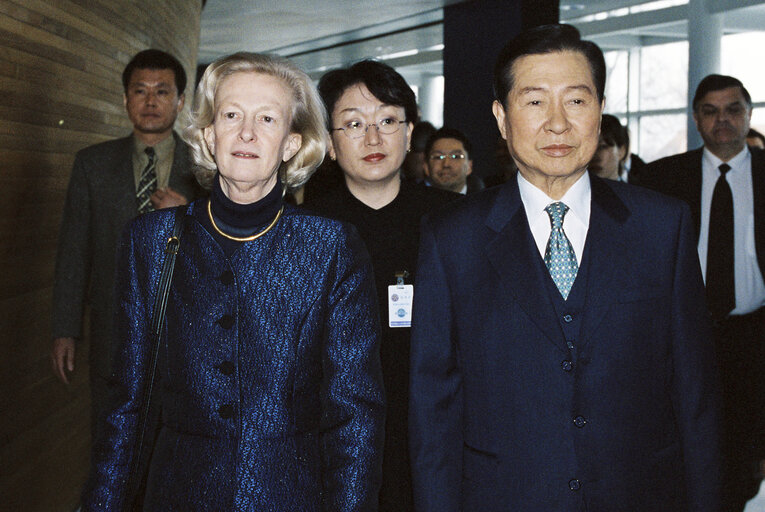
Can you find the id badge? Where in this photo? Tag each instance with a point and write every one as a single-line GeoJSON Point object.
{"type": "Point", "coordinates": [400, 298]}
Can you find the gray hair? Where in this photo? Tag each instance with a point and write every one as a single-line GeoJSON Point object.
{"type": "Point", "coordinates": [308, 115]}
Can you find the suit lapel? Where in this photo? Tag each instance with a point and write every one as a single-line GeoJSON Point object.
{"type": "Point", "coordinates": [758, 186]}
{"type": "Point", "coordinates": [690, 187]}
{"type": "Point", "coordinates": [124, 179]}
{"type": "Point", "coordinates": [514, 255]}
{"type": "Point", "coordinates": [605, 254]}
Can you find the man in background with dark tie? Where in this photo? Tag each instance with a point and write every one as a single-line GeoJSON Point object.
{"type": "Point", "coordinates": [561, 353]}
{"type": "Point", "coordinates": [724, 184]}
{"type": "Point", "coordinates": [111, 183]}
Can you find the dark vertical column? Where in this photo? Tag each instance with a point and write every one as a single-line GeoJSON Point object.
{"type": "Point", "coordinates": [474, 33]}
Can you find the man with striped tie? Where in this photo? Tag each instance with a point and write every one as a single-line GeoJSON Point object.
{"type": "Point", "coordinates": [111, 183]}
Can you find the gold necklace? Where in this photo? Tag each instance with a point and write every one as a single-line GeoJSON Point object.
{"type": "Point", "coordinates": [245, 238]}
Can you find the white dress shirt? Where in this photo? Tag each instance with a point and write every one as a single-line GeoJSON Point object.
{"type": "Point", "coordinates": [575, 222]}
{"type": "Point", "coordinates": [750, 289]}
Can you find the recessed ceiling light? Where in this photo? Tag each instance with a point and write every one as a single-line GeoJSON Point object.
{"type": "Point", "coordinates": [572, 7]}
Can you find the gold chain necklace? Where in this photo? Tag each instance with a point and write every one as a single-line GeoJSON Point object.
{"type": "Point", "coordinates": [245, 238]}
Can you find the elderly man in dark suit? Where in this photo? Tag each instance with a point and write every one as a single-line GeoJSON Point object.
{"type": "Point", "coordinates": [724, 184]}
{"type": "Point", "coordinates": [111, 183]}
{"type": "Point", "coordinates": [561, 353]}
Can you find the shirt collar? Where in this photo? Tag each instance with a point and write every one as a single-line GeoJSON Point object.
{"type": "Point", "coordinates": [164, 149]}
{"type": "Point", "coordinates": [737, 163]}
{"type": "Point", "coordinates": [577, 198]}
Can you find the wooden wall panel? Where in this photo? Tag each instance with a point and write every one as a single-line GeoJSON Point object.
{"type": "Point", "coordinates": [61, 64]}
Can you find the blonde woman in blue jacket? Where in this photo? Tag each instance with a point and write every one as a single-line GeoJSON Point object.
{"type": "Point", "coordinates": [268, 378]}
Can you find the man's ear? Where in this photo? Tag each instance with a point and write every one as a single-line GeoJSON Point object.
{"type": "Point", "coordinates": [470, 168]}
{"type": "Point", "coordinates": [499, 114]}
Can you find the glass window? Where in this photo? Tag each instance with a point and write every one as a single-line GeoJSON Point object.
{"type": "Point", "coordinates": [664, 76]}
{"type": "Point", "coordinates": [758, 119]}
{"type": "Point", "coordinates": [617, 81]}
{"type": "Point", "coordinates": [738, 52]}
{"type": "Point", "coordinates": [662, 135]}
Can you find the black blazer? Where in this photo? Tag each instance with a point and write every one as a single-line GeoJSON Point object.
{"type": "Point", "coordinates": [680, 176]}
{"type": "Point", "coordinates": [504, 416]}
{"type": "Point", "coordinates": [100, 201]}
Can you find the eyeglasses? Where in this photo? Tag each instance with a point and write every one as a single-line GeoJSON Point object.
{"type": "Point", "coordinates": [357, 129]}
{"type": "Point", "coordinates": [452, 156]}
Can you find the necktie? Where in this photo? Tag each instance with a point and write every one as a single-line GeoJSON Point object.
{"type": "Point", "coordinates": [721, 289]}
{"type": "Point", "coordinates": [559, 255]}
{"type": "Point", "coordinates": [148, 183]}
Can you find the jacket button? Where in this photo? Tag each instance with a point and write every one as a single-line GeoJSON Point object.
{"type": "Point", "coordinates": [568, 318]}
{"type": "Point", "coordinates": [226, 367]}
{"type": "Point", "coordinates": [567, 365]}
{"type": "Point", "coordinates": [226, 321]}
{"type": "Point", "coordinates": [227, 277]}
{"type": "Point", "coordinates": [226, 411]}
{"type": "Point", "coordinates": [579, 421]}
{"type": "Point", "coordinates": [574, 484]}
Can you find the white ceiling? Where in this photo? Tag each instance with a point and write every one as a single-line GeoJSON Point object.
{"type": "Point", "coordinates": [332, 33]}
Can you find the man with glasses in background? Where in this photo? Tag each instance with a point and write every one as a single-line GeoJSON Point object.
{"type": "Point", "coordinates": [448, 165]}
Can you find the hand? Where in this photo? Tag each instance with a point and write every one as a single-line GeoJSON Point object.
{"type": "Point", "coordinates": [167, 198]}
{"type": "Point", "coordinates": [62, 358]}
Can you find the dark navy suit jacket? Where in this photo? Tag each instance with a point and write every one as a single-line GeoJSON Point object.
{"type": "Point", "coordinates": [504, 415]}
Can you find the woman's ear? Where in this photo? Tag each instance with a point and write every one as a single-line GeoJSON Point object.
{"type": "Point", "coordinates": [292, 146]}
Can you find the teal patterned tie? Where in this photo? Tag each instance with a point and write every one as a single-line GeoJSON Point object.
{"type": "Point", "coordinates": [559, 255]}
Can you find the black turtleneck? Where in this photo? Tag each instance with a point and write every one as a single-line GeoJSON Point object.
{"type": "Point", "coordinates": [239, 220]}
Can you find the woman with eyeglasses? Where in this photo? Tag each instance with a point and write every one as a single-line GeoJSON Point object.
{"type": "Point", "coordinates": [372, 111]}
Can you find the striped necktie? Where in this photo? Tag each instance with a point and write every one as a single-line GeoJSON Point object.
{"type": "Point", "coordinates": [148, 183]}
{"type": "Point", "coordinates": [560, 258]}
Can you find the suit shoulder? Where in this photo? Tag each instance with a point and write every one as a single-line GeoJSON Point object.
{"type": "Point", "coordinates": [467, 211]}
{"type": "Point", "coordinates": [317, 222]}
{"type": "Point", "coordinates": [104, 149]}
{"type": "Point", "coordinates": [648, 205]}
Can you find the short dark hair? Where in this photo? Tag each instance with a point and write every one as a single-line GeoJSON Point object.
{"type": "Point", "coordinates": [383, 81]}
{"type": "Point", "coordinates": [546, 39]}
{"type": "Point", "coordinates": [712, 83]}
{"type": "Point", "coordinates": [613, 133]}
{"type": "Point", "coordinates": [155, 59]}
{"type": "Point", "coordinates": [420, 135]}
{"type": "Point", "coordinates": [448, 133]}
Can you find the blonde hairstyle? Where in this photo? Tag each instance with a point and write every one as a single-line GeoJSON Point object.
{"type": "Point", "coordinates": [308, 115]}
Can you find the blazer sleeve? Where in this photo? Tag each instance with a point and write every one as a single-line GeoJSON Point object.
{"type": "Point", "coordinates": [73, 256]}
{"type": "Point", "coordinates": [353, 403]}
{"type": "Point", "coordinates": [112, 454]}
{"type": "Point", "coordinates": [435, 399]}
{"type": "Point", "coordinates": [695, 391]}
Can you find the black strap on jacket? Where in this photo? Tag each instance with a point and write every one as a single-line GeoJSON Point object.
{"type": "Point", "coordinates": [139, 466]}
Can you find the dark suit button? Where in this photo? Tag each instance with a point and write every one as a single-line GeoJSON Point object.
{"type": "Point", "coordinates": [568, 318]}
{"type": "Point", "coordinates": [574, 484]}
{"type": "Point", "coordinates": [227, 277]}
{"type": "Point", "coordinates": [579, 421]}
{"type": "Point", "coordinates": [226, 367]}
{"type": "Point", "coordinates": [226, 321]}
{"type": "Point", "coordinates": [567, 365]}
{"type": "Point", "coordinates": [226, 411]}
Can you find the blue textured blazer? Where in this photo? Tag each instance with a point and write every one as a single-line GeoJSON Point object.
{"type": "Point", "coordinates": [269, 376]}
{"type": "Point", "coordinates": [512, 409]}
